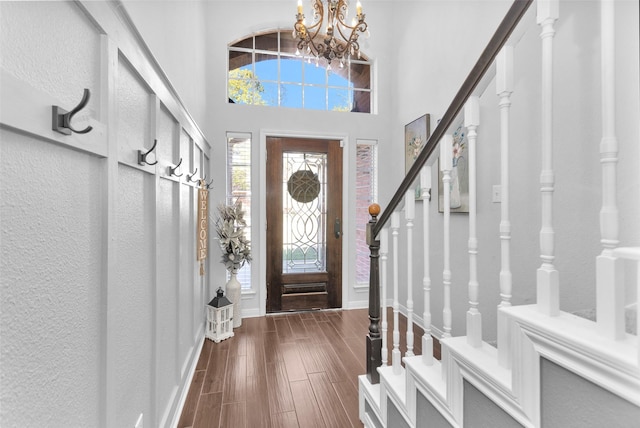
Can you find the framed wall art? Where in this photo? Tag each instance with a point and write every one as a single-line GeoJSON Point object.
{"type": "Point", "coordinates": [416, 134]}
{"type": "Point", "coordinates": [459, 200]}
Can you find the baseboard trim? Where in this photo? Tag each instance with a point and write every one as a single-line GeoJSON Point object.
{"type": "Point", "coordinates": [188, 380]}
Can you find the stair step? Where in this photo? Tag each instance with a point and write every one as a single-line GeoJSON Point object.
{"type": "Point", "coordinates": [370, 394]}
{"type": "Point", "coordinates": [394, 386]}
{"type": "Point", "coordinates": [428, 377]}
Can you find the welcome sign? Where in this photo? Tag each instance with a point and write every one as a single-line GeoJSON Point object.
{"type": "Point", "coordinates": [203, 225]}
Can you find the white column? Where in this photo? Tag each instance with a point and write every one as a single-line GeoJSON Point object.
{"type": "Point", "coordinates": [395, 353]}
{"type": "Point", "coordinates": [609, 270]}
{"type": "Point", "coordinates": [384, 251]}
{"type": "Point", "coordinates": [427, 340]}
{"type": "Point", "coordinates": [504, 89]}
{"type": "Point", "coordinates": [445, 167]}
{"type": "Point", "coordinates": [548, 293]}
{"type": "Point", "coordinates": [409, 213]}
{"type": "Point", "coordinates": [474, 318]}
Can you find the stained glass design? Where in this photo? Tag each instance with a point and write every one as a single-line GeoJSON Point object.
{"type": "Point", "coordinates": [304, 212]}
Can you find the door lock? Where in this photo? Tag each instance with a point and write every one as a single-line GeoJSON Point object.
{"type": "Point", "coordinates": [337, 230]}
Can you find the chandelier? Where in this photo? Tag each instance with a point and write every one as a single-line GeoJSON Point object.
{"type": "Point", "coordinates": [328, 46]}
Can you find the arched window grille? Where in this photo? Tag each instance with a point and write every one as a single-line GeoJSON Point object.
{"type": "Point", "coordinates": [265, 70]}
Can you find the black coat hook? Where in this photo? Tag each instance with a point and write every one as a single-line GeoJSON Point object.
{"type": "Point", "coordinates": [142, 157]}
{"type": "Point", "coordinates": [173, 169]}
{"type": "Point", "coordinates": [209, 184]}
{"type": "Point", "coordinates": [190, 176]}
{"type": "Point", "coordinates": [61, 119]}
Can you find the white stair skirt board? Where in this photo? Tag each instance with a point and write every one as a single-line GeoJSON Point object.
{"type": "Point", "coordinates": [370, 394]}
{"type": "Point", "coordinates": [480, 367]}
{"type": "Point", "coordinates": [567, 340]}
{"type": "Point", "coordinates": [573, 342]}
{"type": "Point", "coordinates": [393, 387]}
{"type": "Point", "coordinates": [428, 381]}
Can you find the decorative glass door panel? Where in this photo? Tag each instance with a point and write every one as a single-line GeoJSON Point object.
{"type": "Point", "coordinates": [304, 212]}
{"type": "Point", "coordinates": [304, 215]}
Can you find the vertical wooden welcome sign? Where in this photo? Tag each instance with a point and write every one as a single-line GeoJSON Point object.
{"type": "Point", "coordinates": [202, 237]}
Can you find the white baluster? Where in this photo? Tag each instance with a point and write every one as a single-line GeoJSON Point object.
{"type": "Point", "coordinates": [384, 251]}
{"type": "Point", "coordinates": [427, 340]}
{"type": "Point", "coordinates": [609, 270]}
{"type": "Point", "coordinates": [409, 213]}
{"type": "Point", "coordinates": [395, 353]}
{"type": "Point", "coordinates": [474, 318]}
{"type": "Point", "coordinates": [504, 89]}
{"type": "Point", "coordinates": [445, 167]}
{"type": "Point", "coordinates": [547, 276]}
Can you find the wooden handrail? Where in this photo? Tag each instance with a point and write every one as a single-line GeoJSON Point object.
{"type": "Point", "coordinates": [500, 37]}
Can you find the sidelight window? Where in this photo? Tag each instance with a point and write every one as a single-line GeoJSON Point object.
{"type": "Point", "coordinates": [239, 187]}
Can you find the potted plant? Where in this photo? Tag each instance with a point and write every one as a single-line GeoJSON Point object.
{"type": "Point", "coordinates": [236, 250]}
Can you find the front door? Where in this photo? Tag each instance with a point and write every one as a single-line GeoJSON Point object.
{"type": "Point", "coordinates": [304, 224]}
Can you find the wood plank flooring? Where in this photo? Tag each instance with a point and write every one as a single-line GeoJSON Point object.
{"type": "Point", "coordinates": [285, 370]}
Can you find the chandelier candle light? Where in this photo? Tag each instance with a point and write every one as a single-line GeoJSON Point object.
{"type": "Point", "coordinates": [328, 46]}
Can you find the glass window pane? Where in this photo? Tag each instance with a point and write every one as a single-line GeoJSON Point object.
{"type": "Point", "coordinates": [339, 99]}
{"type": "Point", "coordinates": [360, 75]}
{"type": "Point", "coordinates": [267, 42]}
{"type": "Point", "coordinates": [362, 101]}
{"type": "Point", "coordinates": [291, 95]}
{"type": "Point", "coordinates": [287, 43]}
{"type": "Point", "coordinates": [246, 43]}
{"type": "Point", "coordinates": [338, 78]}
{"type": "Point", "coordinates": [314, 75]}
{"type": "Point", "coordinates": [239, 188]}
{"type": "Point", "coordinates": [270, 93]}
{"type": "Point", "coordinates": [239, 59]}
{"type": "Point", "coordinates": [315, 98]}
{"type": "Point", "coordinates": [267, 66]}
{"type": "Point", "coordinates": [246, 90]}
{"type": "Point", "coordinates": [291, 70]}
{"type": "Point", "coordinates": [366, 194]}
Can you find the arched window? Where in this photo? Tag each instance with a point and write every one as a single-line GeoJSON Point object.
{"type": "Point", "coordinates": [265, 70]}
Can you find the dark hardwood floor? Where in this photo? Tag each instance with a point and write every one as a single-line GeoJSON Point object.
{"type": "Point", "coordinates": [285, 370]}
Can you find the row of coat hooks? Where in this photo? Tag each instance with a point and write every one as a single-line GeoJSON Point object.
{"type": "Point", "coordinates": [61, 122]}
{"type": "Point", "coordinates": [173, 171]}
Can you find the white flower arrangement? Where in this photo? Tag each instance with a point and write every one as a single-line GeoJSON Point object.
{"type": "Point", "coordinates": [236, 248]}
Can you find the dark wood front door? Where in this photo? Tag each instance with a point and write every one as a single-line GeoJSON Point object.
{"type": "Point", "coordinates": [304, 224]}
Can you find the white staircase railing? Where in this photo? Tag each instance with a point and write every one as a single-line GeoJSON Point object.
{"type": "Point", "coordinates": [508, 373]}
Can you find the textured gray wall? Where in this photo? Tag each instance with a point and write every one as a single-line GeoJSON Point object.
{"type": "Point", "coordinates": [571, 401]}
{"type": "Point", "coordinates": [428, 416]}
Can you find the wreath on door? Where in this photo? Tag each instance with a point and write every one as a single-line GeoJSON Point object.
{"type": "Point", "coordinates": [303, 186]}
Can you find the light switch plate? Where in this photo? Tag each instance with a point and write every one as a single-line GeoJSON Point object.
{"type": "Point", "coordinates": [497, 193]}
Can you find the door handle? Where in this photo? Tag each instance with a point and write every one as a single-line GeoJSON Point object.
{"type": "Point", "coordinates": [337, 229]}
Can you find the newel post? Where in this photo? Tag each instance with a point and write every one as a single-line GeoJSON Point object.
{"type": "Point", "coordinates": [374, 339]}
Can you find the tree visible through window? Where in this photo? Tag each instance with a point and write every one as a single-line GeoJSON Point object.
{"type": "Point", "coordinates": [264, 70]}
